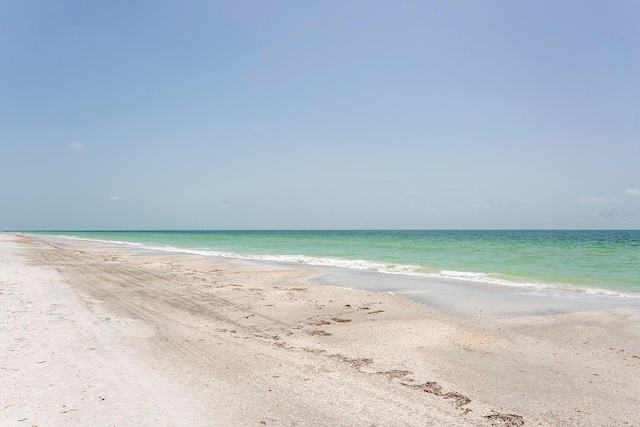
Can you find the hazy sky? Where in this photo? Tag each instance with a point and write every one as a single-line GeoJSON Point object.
{"type": "Point", "coordinates": [316, 115]}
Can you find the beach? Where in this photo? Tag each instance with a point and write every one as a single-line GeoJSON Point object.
{"type": "Point", "coordinates": [103, 334]}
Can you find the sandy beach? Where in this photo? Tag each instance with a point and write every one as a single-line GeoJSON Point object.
{"type": "Point", "coordinates": [100, 334]}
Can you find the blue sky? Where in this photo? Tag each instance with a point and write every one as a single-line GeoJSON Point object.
{"type": "Point", "coordinates": [323, 115]}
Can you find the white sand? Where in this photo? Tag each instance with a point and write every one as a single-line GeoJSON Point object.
{"type": "Point", "coordinates": [94, 334]}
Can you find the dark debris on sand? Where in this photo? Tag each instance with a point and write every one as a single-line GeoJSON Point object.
{"type": "Point", "coordinates": [508, 420]}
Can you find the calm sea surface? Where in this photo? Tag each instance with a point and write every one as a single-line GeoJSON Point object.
{"type": "Point", "coordinates": [591, 261]}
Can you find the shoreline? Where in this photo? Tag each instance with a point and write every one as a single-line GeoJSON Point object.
{"type": "Point", "coordinates": [448, 294]}
{"type": "Point", "coordinates": [382, 267]}
{"type": "Point", "coordinates": [227, 342]}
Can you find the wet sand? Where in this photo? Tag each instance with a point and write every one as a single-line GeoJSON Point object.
{"type": "Point", "coordinates": [103, 334]}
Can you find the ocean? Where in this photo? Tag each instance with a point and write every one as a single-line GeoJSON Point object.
{"type": "Point", "coordinates": [594, 261]}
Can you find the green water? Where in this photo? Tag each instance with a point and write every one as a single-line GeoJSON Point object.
{"type": "Point", "coordinates": [581, 260]}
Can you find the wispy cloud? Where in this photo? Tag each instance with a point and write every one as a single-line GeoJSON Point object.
{"type": "Point", "coordinates": [114, 198]}
{"type": "Point", "coordinates": [409, 192]}
{"type": "Point", "coordinates": [78, 146]}
{"type": "Point", "coordinates": [633, 191]}
{"type": "Point", "coordinates": [598, 199]}
{"type": "Point", "coordinates": [431, 210]}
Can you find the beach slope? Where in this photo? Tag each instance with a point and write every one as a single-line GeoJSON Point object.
{"type": "Point", "coordinates": [101, 334]}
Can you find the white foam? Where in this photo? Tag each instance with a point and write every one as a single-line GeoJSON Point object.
{"type": "Point", "coordinates": [117, 242]}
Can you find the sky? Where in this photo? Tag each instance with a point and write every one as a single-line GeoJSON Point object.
{"type": "Point", "coordinates": [319, 115]}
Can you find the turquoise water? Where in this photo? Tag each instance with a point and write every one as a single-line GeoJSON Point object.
{"type": "Point", "coordinates": [607, 261]}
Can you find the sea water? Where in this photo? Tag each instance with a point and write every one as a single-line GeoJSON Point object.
{"type": "Point", "coordinates": [595, 261]}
